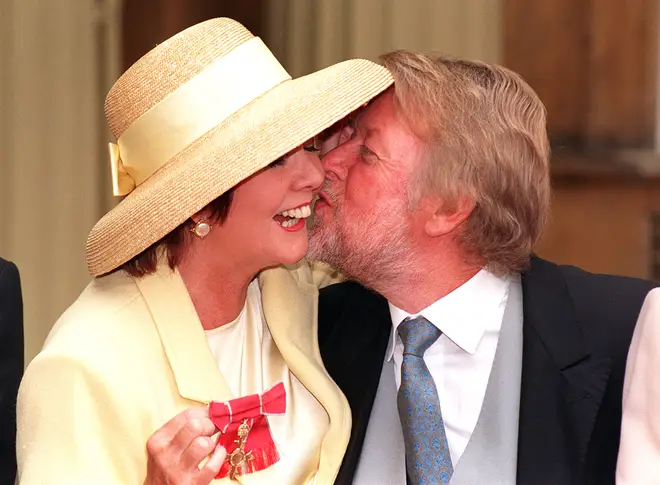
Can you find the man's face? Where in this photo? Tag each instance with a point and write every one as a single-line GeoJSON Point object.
{"type": "Point", "coordinates": [363, 224]}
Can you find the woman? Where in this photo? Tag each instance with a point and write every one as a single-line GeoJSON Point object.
{"type": "Point", "coordinates": [213, 158]}
{"type": "Point", "coordinates": [639, 452]}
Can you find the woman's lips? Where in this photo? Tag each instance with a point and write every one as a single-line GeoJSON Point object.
{"type": "Point", "coordinates": [296, 227]}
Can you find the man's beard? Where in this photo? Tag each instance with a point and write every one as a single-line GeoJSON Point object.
{"type": "Point", "coordinates": [371, 248]}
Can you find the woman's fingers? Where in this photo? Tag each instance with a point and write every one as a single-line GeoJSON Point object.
{"type": "Point", "coordinates": [199, 449]}
{"type": "Point", "coordinates": [176, 450]}
{"type": "Point", "coordinates": [211, 468]}
{"type": "Point", "coordinates": [192, 428]}
{"type": "Point", "coordinates": [169, 430]}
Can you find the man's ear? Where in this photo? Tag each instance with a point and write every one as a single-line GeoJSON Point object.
{"type": "Point", "coordinates": [444, 218]}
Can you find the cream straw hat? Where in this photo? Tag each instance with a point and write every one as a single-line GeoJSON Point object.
{"type": "Point", "coordinates": [198, 114]}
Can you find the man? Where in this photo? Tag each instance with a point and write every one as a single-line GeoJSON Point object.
{"type": "Point", "coordinates": [11, 365]}
{"type": "Point", "coordinates": [471, 360]}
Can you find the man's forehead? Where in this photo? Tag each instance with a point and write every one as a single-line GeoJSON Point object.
{"type": "Point", "coordinates": [367, 120]}
{"type": "Point", "coordinates": [378, 115]}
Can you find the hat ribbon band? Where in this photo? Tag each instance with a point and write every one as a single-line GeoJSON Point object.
{"type": "Point", "coordinates": [205, 101]}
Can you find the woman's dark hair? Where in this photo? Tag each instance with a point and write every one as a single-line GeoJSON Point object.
{"type": "Point", "coordinates": [176, 243]}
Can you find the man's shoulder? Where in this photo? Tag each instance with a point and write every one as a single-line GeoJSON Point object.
{"type": "Point", "coordinates": [606, 294]}
{"type": "Point", "coordinates": [606, 306]}
{"type": "Point", "coordinates": [596, 283]}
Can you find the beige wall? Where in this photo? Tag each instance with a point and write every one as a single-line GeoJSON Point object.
{"type": "Point", "coordinates": [52, 170]}
{"type": "Point", "coordinates": [308, 35]}
{"type": "Point", "coordinates": [57, 61]}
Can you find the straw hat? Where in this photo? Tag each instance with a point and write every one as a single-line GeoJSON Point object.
{"type": "Point", "coordinates": [198, 114]}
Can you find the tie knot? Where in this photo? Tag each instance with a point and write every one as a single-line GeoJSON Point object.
{"type": "Point", "coordinates": [418, 334]}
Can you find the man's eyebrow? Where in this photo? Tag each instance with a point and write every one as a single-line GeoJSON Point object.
{"type": "Point", "coordinates": [366, 130]}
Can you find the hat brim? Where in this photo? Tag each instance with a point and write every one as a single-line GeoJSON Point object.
{"type": "Point", "coordinates": [267, 128]}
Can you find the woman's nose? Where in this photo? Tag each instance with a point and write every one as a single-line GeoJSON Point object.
{"type": "Point", "coordinates": [312, 174]}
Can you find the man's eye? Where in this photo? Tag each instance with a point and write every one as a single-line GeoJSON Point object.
{"type": "Point", "coordinates": [311, 148]}
{"type": "Point", "coordinates": [365, 151]}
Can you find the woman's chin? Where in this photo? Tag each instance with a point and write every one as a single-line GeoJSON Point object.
{"type": "Point", "coordinates": [293, 254]}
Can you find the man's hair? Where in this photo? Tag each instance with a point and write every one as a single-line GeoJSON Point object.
{"type": "Point", "coordinates": [485, 132]}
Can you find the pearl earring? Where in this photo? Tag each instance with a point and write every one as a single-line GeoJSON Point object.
{"type": "Point", "coordinates": [201, 229]}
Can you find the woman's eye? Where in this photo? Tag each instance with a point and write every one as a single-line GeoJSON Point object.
{"type": "Point", "coordinates": [313, 145]}
{"type": "Point", "coordinates": [277, 163]}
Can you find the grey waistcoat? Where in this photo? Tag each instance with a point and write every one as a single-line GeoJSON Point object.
{"type": "Point", "coordinates": [491, 454]}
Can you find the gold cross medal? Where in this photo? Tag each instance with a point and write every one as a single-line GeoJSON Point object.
{"type": "Point", "coordinates": [245, 431]}
{"type": "Point", "coordinates": [239, 459]}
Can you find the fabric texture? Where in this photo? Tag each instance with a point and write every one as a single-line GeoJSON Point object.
{"type": "Point", "coordinates": [460, 361]}
{"type": "Point", "coordinates": [130, 354]}
{"type": "Point", "coordinates": [491, 455]}
{"type": "Point", "coordinates": [427, 453]}
{"type": "Point", "coordinates": [258, 369]}
{"type": "Point", "coordinates": [577, 328]}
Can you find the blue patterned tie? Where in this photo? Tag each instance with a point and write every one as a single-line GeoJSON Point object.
{"type": "Point", "coordinates": [427, 452]}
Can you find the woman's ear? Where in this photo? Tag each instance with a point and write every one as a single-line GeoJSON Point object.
{"type": "Point", "coordinates": [202, 215]}
{"type": "Point", "coordinates": [197, 217]}
{"type": "Point", "coordinates": [444, 218]}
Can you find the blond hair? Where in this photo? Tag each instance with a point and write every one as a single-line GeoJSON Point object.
{"type": "Point", "coordinates": [485, 130]}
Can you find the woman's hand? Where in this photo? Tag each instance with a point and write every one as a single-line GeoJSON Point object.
{"type": "Point", "coordinates": [176, 450]}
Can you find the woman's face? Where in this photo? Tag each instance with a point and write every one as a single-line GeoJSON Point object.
{"type": "Point", "coordinates": [266, 223]}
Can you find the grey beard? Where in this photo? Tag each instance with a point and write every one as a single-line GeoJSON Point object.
{"type": "Point", "coordinates": [376, 258]}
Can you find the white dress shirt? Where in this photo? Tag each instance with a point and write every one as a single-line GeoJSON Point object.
{"type": "Point", "coordinates": [460, 362]}
{"type": "Point", "coordinates": [250, 363]}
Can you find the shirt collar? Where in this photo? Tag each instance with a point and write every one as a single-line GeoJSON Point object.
{"type": "Point", "coordinates": [463, 314]}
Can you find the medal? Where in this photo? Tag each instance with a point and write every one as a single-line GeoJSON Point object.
{"type": "Point", "coordinates": [245, 432]}
{"type": "Point", "coordinates": [238, 459]}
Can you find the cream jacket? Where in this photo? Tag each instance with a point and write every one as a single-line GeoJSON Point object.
{"type": "Point", "coordinates": [639, 453]}
{"type": "Point", "coordinates": [130, 354]}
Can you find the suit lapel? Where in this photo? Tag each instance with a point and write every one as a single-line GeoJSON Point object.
{"type": "Point", "coordinates": [193, 365]}
{"type": "Point", "coordinates": [290, 307]}
{"type": "Point", "coordinates": [562, 383]}
{"type": "Point", "coordinates": [355, 327]}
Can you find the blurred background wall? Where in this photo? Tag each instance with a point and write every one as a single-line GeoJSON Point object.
{"type": "Point", "coordinates": [593, 62]}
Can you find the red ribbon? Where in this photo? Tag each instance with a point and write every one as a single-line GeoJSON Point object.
{"type": "Point", "coordinates": [228, 416]}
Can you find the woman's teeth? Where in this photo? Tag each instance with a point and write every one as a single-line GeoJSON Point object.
{"type": "Point", "coordinates": [293, 216]}
{"type": "Point", "coordinates": [299, 213]}
{"type": "Point", "coordinates": [289, 222]}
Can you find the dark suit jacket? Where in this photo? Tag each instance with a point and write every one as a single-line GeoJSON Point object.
{"type": "Point", "coordinates": [11, 365]}
{"type": "Point", "coordinates": [576, 333]}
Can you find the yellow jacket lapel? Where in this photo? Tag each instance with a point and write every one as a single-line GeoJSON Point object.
{"type": "Point", "coordinates": [181, 333]}
{"type": "Point", "coordinates": [290, 304]}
